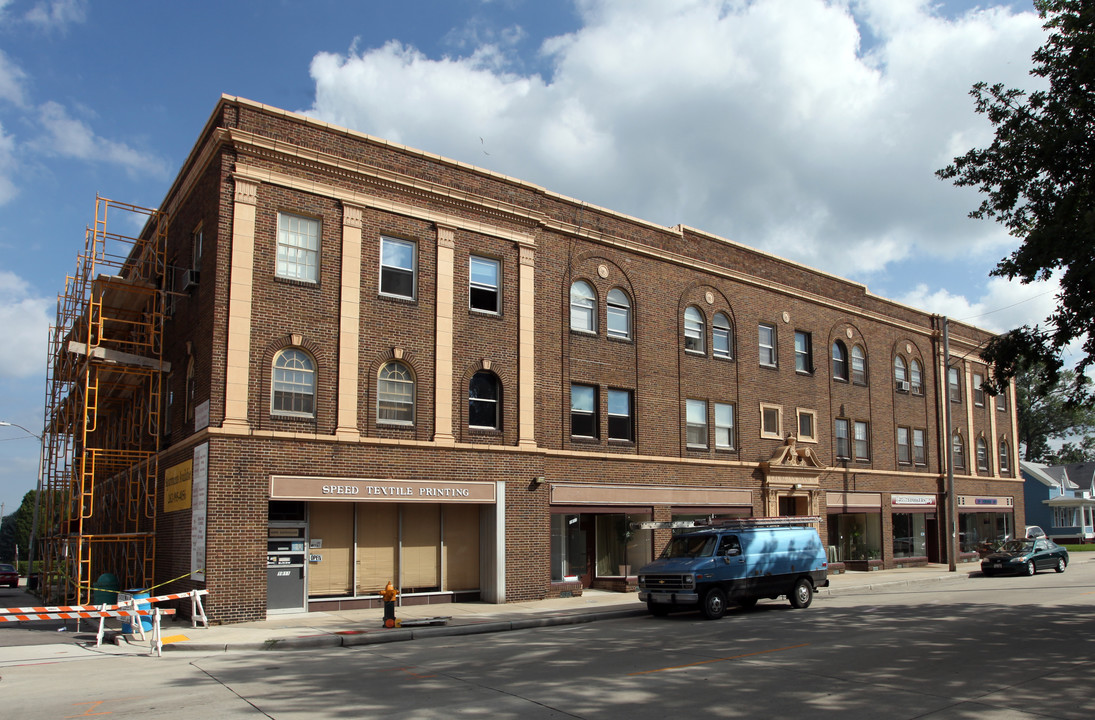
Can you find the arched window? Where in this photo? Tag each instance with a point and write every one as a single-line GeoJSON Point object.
{"type": "Point", "coordinates": [1005, 457]}
{"type": "Point", "coordinates": [484, 396]}
{"type": "Point", "coordinates": [916, 378]}
{"type": "Point", "coordinates": [982, 455]}
{"type": "Point", "coordinates": [722, 337]}
{"type": "Point", "coordinates": [840, 361]}
{"type": "Point", "coordinates": [958, 451]}
{"type": "Point", "coordinates": [293, 386]}
{"type": "Point", "coordinates": [693, 329]}
{"type": "Point", "coordinates": [619, 314]}
{"type": "Point", "coordinates": [583, 307]}
{"type": "Point", "coordinates": [395, 395]}
{"type": "Point", "coordinates": [859, 365]}
{"type": "Point", "coordinates": [900, 373]}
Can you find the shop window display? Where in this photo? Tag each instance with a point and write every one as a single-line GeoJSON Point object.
{"type": "Point", "coordinates": [856, 536]}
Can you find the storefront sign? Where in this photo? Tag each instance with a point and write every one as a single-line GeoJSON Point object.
{"type": "Point", "coordinates": [582, 494]}
{"type": "Point", "coordinates": [972, 502]}
{"type": "Point", "coordinates": [293, 487]}
{"type": "Point", "coordinates": [177, 482]}
{"type": "Point", "coordinates": [919, 500]}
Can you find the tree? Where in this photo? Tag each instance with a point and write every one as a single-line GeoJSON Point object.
{"type": "Point", "coordinates": [15, 529]}
{"type": "Point", "coordinates": [1046, 414]}
{"type": "Point", "coordinates": [1038, 178]}
{"type": "Point", "coordinates": [1071, 453]}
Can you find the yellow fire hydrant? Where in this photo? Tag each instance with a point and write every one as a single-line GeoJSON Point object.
{"type": "Point", "coordinates": [389, 604]}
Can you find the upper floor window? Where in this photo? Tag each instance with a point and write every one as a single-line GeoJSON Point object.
{"type": "Point", "coordinates": [397, 267]}
{"type": "Point", "coordinates": [920, 448]}
{"type": "Point", "coordinates": [958, 451]}
{"type": "Point", "coordinates": [862, 440]}
{"type": "Point", "coordinates": [484, 394]}
{"type": "Point", "coordinates": [293, 386]}
{"type": "Point", "coordinates": [583, 411]}
{"type": "Point", "coordinates": [904, 454]}
{"type": "Point", "coordinates": [1005, 457]}
{"type": "Point", "coordinates": [954, 390]}
{"type": "Point", "coordinates": [807, 425]}
{"type": "Point", "coordinates": [583, 307]}
{"type": "Point", "coordinates": [722, 337]}
{"type": "Point", "coordinates": [298, 248]}
{"type": "Point", "coordinates": [978, 390]}
{"type": "Point", "coordinates": [982, 455]}
{"type": "Point", "coordinates": [1002, 401]}
{"type": "Point", "coordinates": [621, 419]}
{"type": "Point", "coordinates": [766, 341]}
{"type": "Point", "coordinates": [395, 395]}
{"type": "Point", "coordinates": [771, 421]}
{"type": "Point", "coordinates": [804, 352]}
{"type": "Point", "coordinates": [619, 314]}
{"type": "Point", "coordinates": [693, 329]}
{"type": "Point", "coordinates": [196, 249]}
{"type": "Point", "coordinates": [840, 361]}
{"type": "Point", "coordinates": [483, 284]}
{"type": "Point", "coordinates": [841, 437]}
{"type": "Point", "coordinates": [696, 423]}
{"type": "Point", "coordinates": [859, 365]}
{"type": "Point", "coordinates": [900, 373]}
{"type": "Point", "coordinates": [916, 377]}
{"type": "Point", "coordinates": [724, 426]}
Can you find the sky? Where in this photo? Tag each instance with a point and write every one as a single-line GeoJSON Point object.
{"type": "Point", "coordinates": [807, 128]}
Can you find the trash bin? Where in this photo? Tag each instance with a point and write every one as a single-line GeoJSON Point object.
{"type": "Point", "coordinates": [146, 621]}
{"type": "Point", "coordinates": [105, 591]}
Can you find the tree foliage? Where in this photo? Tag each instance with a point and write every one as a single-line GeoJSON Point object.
{"type": "Point", "coordinates": [1038, 180]}
{"type": "Point", "coordinates": [1046, 414]}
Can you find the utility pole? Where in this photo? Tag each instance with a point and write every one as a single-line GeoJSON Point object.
{"type": "Point", "coordinates": [952, 499]}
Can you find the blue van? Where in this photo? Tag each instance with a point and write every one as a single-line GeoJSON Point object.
{"type": "Point", "coordinates": [739, 563]}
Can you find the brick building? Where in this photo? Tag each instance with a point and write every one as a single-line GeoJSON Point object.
{"type": "Point", "coordinates": [387, 365]}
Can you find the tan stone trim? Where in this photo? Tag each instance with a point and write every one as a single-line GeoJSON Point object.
{"type": "Point", "coordinates": [590, 494]}
{"type": "Point", "coordinates": [526, 349]}
{"type": "Point", "coordinates": [246, 191]}
{"type": "Point", "coordinates": [349, 328]}
{"type": "Point", "coordinates": [240, 293]}
{"type": "Point", "coordinates": [443, 338]}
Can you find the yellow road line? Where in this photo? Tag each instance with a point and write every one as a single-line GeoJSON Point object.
{"type": "Point", "coordinates": [715, 660]}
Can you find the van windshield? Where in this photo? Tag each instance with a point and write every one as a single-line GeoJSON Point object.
{"type": "Point", "coordinates": [690, 546]}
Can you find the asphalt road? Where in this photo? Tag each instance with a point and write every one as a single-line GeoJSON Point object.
{"type": "Point", "coordinates": [994, 648]}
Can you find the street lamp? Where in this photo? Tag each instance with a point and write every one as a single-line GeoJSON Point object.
{"type": "Point", "coordinates": [37, 495]}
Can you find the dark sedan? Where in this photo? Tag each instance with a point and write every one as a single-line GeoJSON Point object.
{"type": "Point", "coordinates": [1025, 557]}
{"type": "Point", "coordinates": [8, 575]}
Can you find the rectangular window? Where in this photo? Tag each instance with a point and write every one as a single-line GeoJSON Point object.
{"type": "Point", "coordinates": [904, 456]}
{"type": "Point", "coordinates": [1002, 401]}
{"type": "Point", "coordinates": [767, 343]}
{"type": "Point", "coordinates": [840, 434]}
{"type": "Point", "coordinates": [583, 411]}
{"type": "Point", "coordinates": [920, 449]}
{"type": "Point", "coordinates": [954, 390]}
{"type": "Point", "coordinates": [621, 424]}
{"type": "Point", "coordinates": [397, 262]}
{"type": "Point", "coordinates": [978, 391]}
{"type": "Point", "coordinates": [298, 248]}
{"type": "Point", "coordinates": [483, 284]}
{"type": "Point", "coordinates": [771, 421]}
{"type": "Point", "coordinates": [696, 423]}
{"type": "Point", "coordinates": [804, 353]}
{"type": "Point", "coordinates": [807, 425]}
{"type": "Point", "coordinates": [196, 250]}
{"type": "Point", "coordinates": [724, 426]}
{"type": "Point", "coordinates": [862, 440]}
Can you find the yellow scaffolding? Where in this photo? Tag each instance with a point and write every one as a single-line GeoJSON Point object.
{"type": "Point", "coordinates": [104, 389]}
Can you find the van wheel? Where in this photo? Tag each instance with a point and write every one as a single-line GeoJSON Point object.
{"type": "Point", "coordinates": [657, 609]}
{"type": "Point", "coordinates": [714, 604]}
{"type": "Point", "coordinates": [748, 603]}
{"type": "Point", "coordinates": [802, 594]}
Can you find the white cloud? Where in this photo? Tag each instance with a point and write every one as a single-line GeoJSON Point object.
{"type": "Point", "coordinates": [57, 14]}
{"type": "Point", "coordinates": [7, 167]}
{"type": "Point", "coordinates": [1004, 305]}
{"type": "Point", "coordinates": [808, 128]}
{"type": "Point", "coordinates": [11, 80]}
{"type": "Point", "coordinates": [25, 319]}
{"type": "Point", "coordinates": [69, 137]}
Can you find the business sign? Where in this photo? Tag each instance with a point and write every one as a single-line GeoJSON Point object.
{"type": "Point", "coordinates": [294, 487]}
{"type": "Point", "coordinates": [177, 483]}
{"type": "Point", "coordinates": [917, 500]}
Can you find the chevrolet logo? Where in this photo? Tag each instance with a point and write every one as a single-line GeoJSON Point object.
{"type": "Point", "coordinates": [661, 582]}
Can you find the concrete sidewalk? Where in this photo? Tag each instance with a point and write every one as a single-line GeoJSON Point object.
{"type": "Point", "coordinates": [364, 627]}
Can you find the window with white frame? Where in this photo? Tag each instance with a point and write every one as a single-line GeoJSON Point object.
{"type": "Point", "coordinates": [583, 307]}
{"type": "Point", "coordinates": [841, 439]}
{"type": "Point", "coordinates": [904, 451]}
{"type": "Point", "coordinates": [840, 361]}
{"type": "Point", "coordinates": [766, 341]}
{"type": "Point", "coordinates": [583, 411]}
{"type": "Point", "coordinates": [293, 384]}
{"type": "Point", "coordinates": [916, 378]}
{"type": "Point", "coordinates": [621, 419]}
{"type": "Point", "coordinates": [807, 425]}
{"type": "Point", "coordinates": [1065, 517]}
{"type": "Point", "coordinates": [862, 440]}
{"type": "Point", "coordinates": [1002, 401]}
{"type": "Point", "coordinates": [395, 395]}
{"type": "Point", "coordinates": [859, 365]}
{"type": "Point", "coordinates": [920, 448]}
{"type": "Point", "coordinates": [298, 248]}
{"type": "Point", "coordinates": [397, 267]}
{"type": "Point", "coordinates": [771, 421]}
{"type": "Point", "coordinates": [484, 276]}
{"type": "Point", "coordinates": [724, 426]}
{"type": "Point", "coordinates": [954, 389]}
{"type": "Point", "coordinates": [484, 396]}
{"type": "Point", "coordinates": [695, 423]}
{"type": "Point", "coordinates": [958, 451]}
{"type": "Point", "coordinates": [982, 455]}
{"type": "Point", "coordinates": [900, 374]}
{"type": "Point", "coordinates": [978, 390]}
{"type": "Point", "coordinates": [722, 337]}
{"type": "Point", "coordinates": [1005, 457]}
{"type": "Point", "coordinates": [804, 352]}
{"type": "Point", "coordinates": [693, 329]}
{"type": "Point", "coordinates": [619, 314]}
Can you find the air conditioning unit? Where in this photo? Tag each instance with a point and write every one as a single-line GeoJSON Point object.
{"type": "Point", "coordinates": [190, 279]}
{"type": "Point", "coordinates": [903, 385]}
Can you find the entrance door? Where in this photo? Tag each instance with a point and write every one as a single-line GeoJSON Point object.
{"type": "Point", "coordinates": [793, 506]}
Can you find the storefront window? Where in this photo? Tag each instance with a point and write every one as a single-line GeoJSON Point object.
{"type": "Point", "coordinates": [856, 536]}
{"type": "Point", "coordinates": [910, 538]}
{"type": "Point", "coordinates": [568, 548]}
{"type": "Point", "coordinates": [616, 548]}
{"type": "Point", "coordinates": [621, 550]}
{"type": "Point", "coordinates": [976, 529]}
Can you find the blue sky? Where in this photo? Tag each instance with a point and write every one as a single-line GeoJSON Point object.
{"type": "Point", "coordinates": [807, 128]}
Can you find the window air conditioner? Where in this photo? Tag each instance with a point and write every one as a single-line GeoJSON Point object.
{"type": "Point", "coordinates": [190, 279]}
{"type": "Point", "coordinates": [903, 385]}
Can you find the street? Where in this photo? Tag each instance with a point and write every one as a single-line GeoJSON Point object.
{"type": "Point", "coordinates": [1004, 647]}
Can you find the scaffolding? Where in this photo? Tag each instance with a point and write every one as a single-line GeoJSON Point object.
{"type": "Point", "coordinates": [104, 387]}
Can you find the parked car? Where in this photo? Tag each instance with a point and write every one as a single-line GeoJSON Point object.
{"type": "Point", "coordinates": [1025, 557]}
{"type": "Point", "coordinates": [9, 575]}
{"type": "Point", "coordinates": [1033, 531]}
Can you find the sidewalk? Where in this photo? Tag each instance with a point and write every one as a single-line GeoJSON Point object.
{"type": "Point", "coordinates": [364, 627]}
